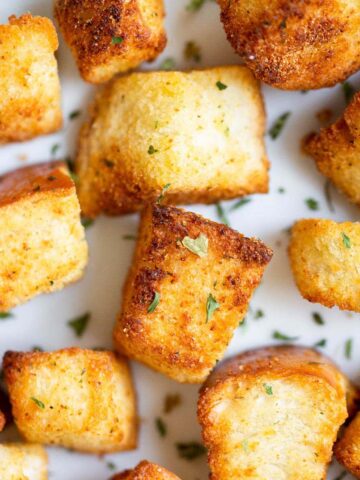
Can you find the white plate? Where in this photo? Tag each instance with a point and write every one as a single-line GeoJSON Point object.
{"type": "Point", "coordinates": [43, 321]}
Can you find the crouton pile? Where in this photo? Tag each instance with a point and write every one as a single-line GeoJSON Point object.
{"type": "Point", "coordinates": [151, 142]}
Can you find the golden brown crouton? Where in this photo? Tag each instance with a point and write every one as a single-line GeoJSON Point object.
{"type": "Point", "coordinates": [80, 399]}
{"type": "Point", "coordinates": [20, 461]}
{"type": "Point", "coordinates": [29, 81]}
{"type": "Point", "coordinates": [146, 471]}
{"type": "Point", "coordinates": [2, 420]}
{"type": "Point", "coordinates": [42, 242]}
{"type": "Point", "coordinates": [347, 449]}
{"type": "Point", "coordinates": [200, 131]}
{"type": "Point", "coordinates": [189, 287]}
{"type": "Point", "coordinates": [324, 257]}
{"type": "Point", "coordinates": [295, 44]}
{"type": "Point", "coordinates": [272, 413]}
{"type": "Point", "coordinates": [336, 151]}
{"type": "Point", "coordinates": [111, 36]}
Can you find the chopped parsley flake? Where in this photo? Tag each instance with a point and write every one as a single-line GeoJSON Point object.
{"type": "Point", "coordinates": [349, 91]}
{"type": "Point", "coordinates": [312, 204]}
{"type": "Point", "coordinates": [152, 150]}
{"type": "Point", "coordinates": [198, 245]}
{"type": "Point", "coordinates": [110, 465]}
{"type": "Point", "coordinates": [221, 214]}
{"type": "Point", "coordinates": [268, 388]}
{"type": "Point", "coordinates": [39, 403]}
{"type": "Point", "coordinates": [194, 5]}
{"type": "Point", "coordinates": [171, 401]}
{"type": "Point", "coordinates": [278, 125]}
{"type": "Point", "coordinates": [190, 450]}
{"type": "Point", "coordinates": [79, 324]}
{"type": "Point", "coordinates": [154, 303]}
{"type": "Point", "coordinates": [5, 315]}
{"type": "Point", "coordinates": [348, 348]}
{"type": "Point", "coordinates": [240, 203]}
{"type": "Point", "coordinates": [162, 193]}
{"type": "Point", "coordinates": [74, 114]}
{"type": "Point", "coordinates": [258, 314]}
{"type": "Point", "coordinates": [117, 40]}
{"type": "Point", "coordinates": [281, 336]}
{"type": "Point", "coordinates": [161, 426]}
{"type": "Point", "coordinates": [346, 240]}
{"type": "Point", "coordinates": [321, 343]}
{"type": "Point", "coordinates": [211, 306]}
{"type": "Point", "coordinates": [318, 318]}
{"type": "Point", "coordinates": [221, 86]}
{"type": "Point", "coordinates": [192, 52]}
{"type": "Point", "coordinates": [36, 348]}
{"type": "Point", "coordinates": [129, 237]}
{"type": "Point", "coordinates": [168, 64]}
{"type": "Point", "coordinates": [54, 149]}
{"type": "Point", "coordinates": [86, 222]}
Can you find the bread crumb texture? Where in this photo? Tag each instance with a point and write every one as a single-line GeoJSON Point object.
{"type": "Point", "coordinates": [75, 398]}
{"type": "Point", "coordinates": [272, 413]}
{"type": "Point", "coordinates": [146, 471]}
{"type": "Point", "coordinates": [20, 461]}
{"type": "Point", "coordinates": [183, 337]}
{"type": "Point", "coordinates": [347, 449]}
{"type": "Point", "coordinates": [199, 131]}
{"type": "Point", "coordinates": [29, 82]}
{"type": "Point", "coordinates": [111, 36]}
{"type": "Point", "coordinates": [324, 257]}
{"type": "Point", "coordinates": [297, 45]}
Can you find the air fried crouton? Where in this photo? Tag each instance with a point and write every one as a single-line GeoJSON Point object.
{"type": "Point", "coordinates": [295, 45]}
{"type": "Point", "coordinates": [80, 399]}
{"type": "Point", "coordinates": [188, 288]}
{"type": "Point", "coordinates": [146, 471]}
{"type": "Point", "coordinates": [112, 36]}
{"type": "Point", "coordinates": [324, 257]}
{"type": "Point", "coordinates": [200, 131]}
{"type": "Point", "coordinates": [29, 82]}
{"type": "Point", "coordinates": [2, 420]}
{"type": "Point", "coordinates": [19, 461]}
{"type": "Point", "coordinates": [336, 151]}
{"type": "Point", "coordinates": [42, 242]}
{"type": "Point", "coordinates": [272, 413]}
{"type": "Point", "coordinates": [347, 449]}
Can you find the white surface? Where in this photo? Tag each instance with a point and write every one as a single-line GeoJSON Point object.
{"type": "Point", "coordinates": [43, 321]}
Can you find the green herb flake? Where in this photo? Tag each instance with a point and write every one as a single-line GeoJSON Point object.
{"type": "Point", "coordinates": [312, 204]}
{"type": "Point", "coordinates": [39, 403]}
{"type": "Point", "coordinates": [168, 64]}
{"type": "Point", "coordinates": [221, 214]}
{"type": "Point", "coordinates": [79, 324]}
{"type": "Point", "coordinates": [348, 348]}
{"type": "Point", "coordinates": [154, 303]}
{"type": "Point", "coordinates": [278, 125]}
{"type": "Point", "coordinates": [111, 465]}
{"type": "Point", "coordinates": [171, 401]}
{"type": "Point", "coordinates": [162, 193]}
{"type": "Point", "coordinates": [129, 237]}
{"type": "Point", "coordinates": [259, 314]}
{"type": "Point", "coordinates": [36, 348]}
{"type": "Point", "coordinates": [240, 203]}
{"type": "Point", "coordinates": [6, 315]}
{"type": "Point", "coordinates": [117, 40]}
{"type": "Point", "coordinates": [194, 5]}
{"type": "Point", "coordinates": [318, 318]}
{"type": "Point", "coordinates": [54, 149]}
{"type": "Point", "coordinates": [268, 388]}
{"type": "Point", "coordinates": [190, 450]}
{"type": "Point", "coordinates": [221, 86]}
{"type": "Point", "coordinates": [152, 150]}
{"type": "Point", "coordinates": [321, 343]}
{"type": "Point", "coordinates": [349, 91]}
{"type": "Point", "coordinates": [346, 240]}
{"type": "Point", "coordinates": [192, 52]}
{"type": "Point", "coordinates": [211, 306]}
{"type": "Point", "coordinates": [198, 245]}
{"type": "Point", "coordinates": [161, 426]}
{"type": "Point", "coordinates": [74, 114]}
{"type": "Point", "coordinates": [281, 336]}
{"type": "Point", "coordinates": [281, 190]}
{"type": "Point", "coordinates": [86, 222]}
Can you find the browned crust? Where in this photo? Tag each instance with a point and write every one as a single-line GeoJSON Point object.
{"type": "Point", "coordinates": [2, 421]}
{"type": "Point", "coordinates": [28, 181]}
{"type": "Point", "coordinates": [347, 449]}
{"type": "Point", "coordinates": [297, 44]}
{"type": "Point", "coordinates": [146, 471]}
{"type": "Point", "coordinates": [89, 27]}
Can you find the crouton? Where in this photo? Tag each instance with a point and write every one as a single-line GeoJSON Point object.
{"type": "Point", "coordinates": [2, 420]}
{"type": "Point", "coordinates": [188, 288]}
{"type": "Point", "coordinates": [146, 471]}
{"type": "Point", "coordinates": [29, 81]}
{"type": "Point", "coordinates": [336, 151]}
{"type": "Point", "coordinates": [324, 257]}
{"type": "Point", "coordinates": [113, 36]}
{"type": "Point", "coordinates": [76, 398]}
{"type": "Point", "coordinates": [200, 131]}
{"type": "Point", "coordinates": [347, 449]}
{"type": "Point", "coordinates": [295, 45]}
{"type": "Point", "coordinates": [42, 242]}
{"type": "Point", "coordinates": [20, 461]}
{"type": "Point", "coordinates": [272, 413]}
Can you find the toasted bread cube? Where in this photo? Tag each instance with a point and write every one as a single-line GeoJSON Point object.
{"type": "Point", "coordinates": [180, 308]}
{"type": "Point", "coordinates": [347, 449]}
{"type": "Point", "coordinates": [200, 131]}
{"type": "Point", "coordinates": [146, 471]}
{"type": "Point", "coordinates": [76, 398]}
{"type": "Point", "coordinates": [29, 81]}
{"type": "Point", "coordinates": [324, 257]}
{"type": "Point", "coordinates": [336, 151]}
{"type": "Point", "coordinates": [2, 420]}
{"type": "Point", "coordinates": [298, 45]}
{"type": "Point", "coordinates": [42, 244]}
{"type": "Point", "coordinates": [113, 36]}
{"type": "Point", "coordinates": [272, 413]}
{"type": "Point", "coordinates": [20, 461]}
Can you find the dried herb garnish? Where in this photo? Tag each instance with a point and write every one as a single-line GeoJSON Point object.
{"type": "Point", "coordinates": [346, 240]}
{"type": "Point", "coordinates": [190, 450]}
{"type": "Point", "coordinates": [198, 245]}
{"type": "Point", "coordinates": [79, 324]}
{"type": "Point", "coordinates": [154, 303]}
{"type": "Point", "coordinates": [312, 204]}
{"type": "Point", "coordinates": [39, 403]}
{"type": "Point", "coordinates": [281, 336]}
{"type": "Point", "coordinates": [221, 86]}
{"type": "Point", "coordinates": [211, 306]}
{"type": "Point", "coordinates": [318, 318]}
{"type": "Point", "coordinates": [161, 426]}
{"type": "Point", "coordinates": [278, 125]}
